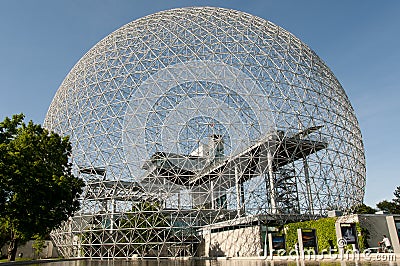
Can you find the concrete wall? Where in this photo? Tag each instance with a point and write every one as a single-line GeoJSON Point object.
{"type": "Point", "coordinates": [377, 226]}
{"type": "Point", "coordinates": [240, 242]}
{"type": "Point", "coordinates": [394, 232]}
{"type": "Point", "coordinates": [49, 251]}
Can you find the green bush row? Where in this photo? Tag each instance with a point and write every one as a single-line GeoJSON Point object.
{"type": "Point", "coordinates": [325, 230]}
{"type": "Point", "coordinates": [326, 233]}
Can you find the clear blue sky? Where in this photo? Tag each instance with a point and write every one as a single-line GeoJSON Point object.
{"type": "Point", "coordinates": [40, 41]}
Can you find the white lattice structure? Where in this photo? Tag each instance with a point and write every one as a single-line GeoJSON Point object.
{"type": "Point", "coordinates": [196, 116]}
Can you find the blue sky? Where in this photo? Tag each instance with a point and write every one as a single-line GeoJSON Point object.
{"type": "Point", "coordinates": [359, 40]}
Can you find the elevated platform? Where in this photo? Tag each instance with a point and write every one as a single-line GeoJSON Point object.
{"type": "Point", "coordinates": [103, 190]}
{"type": "Point", "coordinates": [251, 162]}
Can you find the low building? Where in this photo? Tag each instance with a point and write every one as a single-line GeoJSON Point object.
{"type": "Point", "coordinates": [376, 225]}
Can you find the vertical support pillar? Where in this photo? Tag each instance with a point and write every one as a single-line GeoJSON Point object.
{"type": "Point", "coordinates": [242, 197]}
{"type": "Point", "coordinates": [265, 240]}
{"type": "Point", "coordinates": [300, 243]}
{"type": "Point", "coordinates": [271, 182]}
{"type": "Point", "coordinates": [179, 200]}
{"type": "Point", "coordinates": [113, 206]}
{"type": "Point", "coordinates": [393, 235]}
{"type": "Point", "coordinates": [308, 186]}
{"type": "Point", "coordinates": [238, 192]}
{"type": "Point", "coordinates": [270, 245]}
{"type": "Point", "coordinates": [212, 195]}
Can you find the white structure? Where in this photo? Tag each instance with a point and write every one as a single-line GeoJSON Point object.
{"type": "Point", "coordinates": [376, 225]}
{"type": "Point", "coordinates": [194, 116]}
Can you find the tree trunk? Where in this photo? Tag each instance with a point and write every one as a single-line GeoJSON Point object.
{"type": "Point", "coordinates": [12, 249]}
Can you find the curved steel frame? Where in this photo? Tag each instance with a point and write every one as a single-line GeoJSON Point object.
{"type": "Point", "coordinates": [197, 116]}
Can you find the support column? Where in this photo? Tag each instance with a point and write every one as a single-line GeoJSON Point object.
{"type": "Point", "coordinates": [271, 182]}
{"type": "Point", "coordinates": [308, 186]}
{"type": "Point", "coordinates": [179, 200]}
{"type": "Point", "coordinates": [238, 191]}
{"type": "Point", "coordinates": [393, 235]}
{"type": "Point", "coordinates": [300, 243]}
{"type": "Point", "coordinates": [113, 207]}
{"type": "Point", "coordinates": [212, 195]}
{"type": "Point", "coordinates": [242, 198]}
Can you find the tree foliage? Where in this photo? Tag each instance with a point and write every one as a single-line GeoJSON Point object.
{"type": "Point", "coordinates": [392, 206]}
{"type": "Point", "coordinates": [38, 245]}
{"type": "Point", "coordinates": [363, 209]}
{"type": "Point", "coordinates": [388, 206]}
{"type": "Point", "coordinates": [37, 188]}
{"type": "Point", "coordinates": [396, 199]}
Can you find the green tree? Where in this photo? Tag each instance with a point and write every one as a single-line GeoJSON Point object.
{"type": "Point", "coordinates": [38, 245]}
{"type": "Point", "coordinates": [388, 206]}
{"type": "Point", "coordinates": [396, 199]}
{"type": "Point", "coordinates": [392, 206]}
{"type": "Point", "coordinates": [37, 189]}
{"type": "Point", "coordinates": [4, 236]}
{"type": "Point", "coordinates": [363, 209]}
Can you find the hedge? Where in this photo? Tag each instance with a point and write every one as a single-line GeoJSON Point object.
{"type": "Point", "coordinates": [325, 229]}
{"type": "Point", "coordinates": [326, 233]}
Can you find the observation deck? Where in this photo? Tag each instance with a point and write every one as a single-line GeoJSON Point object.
{"type": "Point", "coordinates": [275, 150]}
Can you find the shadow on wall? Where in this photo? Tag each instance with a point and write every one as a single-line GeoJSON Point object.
{"type": "Point", "coordinates": [216, 251]}
{"type": "Point", "coordinates": [27, 250]}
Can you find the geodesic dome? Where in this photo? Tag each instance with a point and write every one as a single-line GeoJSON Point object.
{"type": "Point", "coordinates": [193, 117]}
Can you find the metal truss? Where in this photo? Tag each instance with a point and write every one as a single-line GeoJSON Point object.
{"type": "Point", "coordinates": [196, 116]}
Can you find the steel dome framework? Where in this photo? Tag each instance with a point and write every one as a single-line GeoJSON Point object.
{"type": "Point", "coordinates": [197, 116]}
